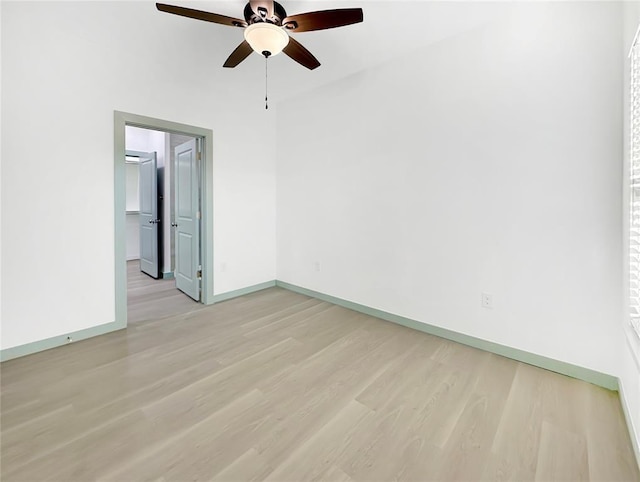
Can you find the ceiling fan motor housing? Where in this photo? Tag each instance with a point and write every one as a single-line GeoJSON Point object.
{"type": "Point", "coordinates": [262, 14]}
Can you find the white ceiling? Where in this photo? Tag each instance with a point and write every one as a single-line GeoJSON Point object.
{"type": "Point", "coordinates": [390, 29]}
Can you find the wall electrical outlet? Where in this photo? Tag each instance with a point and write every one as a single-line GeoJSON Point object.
{"type": "Point", "coordinates": [316, 265]}
{"type": "Point", "coordinates": [487, 300]}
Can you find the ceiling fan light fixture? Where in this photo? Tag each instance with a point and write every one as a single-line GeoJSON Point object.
{"type": "Point", "coordinates": [266, 37]}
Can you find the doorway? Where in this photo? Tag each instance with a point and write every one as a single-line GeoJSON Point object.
{"type": "Point", "coordinates": [183, 217]}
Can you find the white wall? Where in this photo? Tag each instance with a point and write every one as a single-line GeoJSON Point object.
{"type": "Point", "coordinates": [629, 341]}
{"type": "Point", "coordinates": [144, 140]}
{"type": "Point", "coordinates": [132, 179]}
{"type": "Point", "coordinates": [489, 161]}
{"type": "Point", "coordinates": [66, 66]}
{"type": "Point", "coordinates": [132, 227]}
{"type": "Point", "coordinates": [133, 236]}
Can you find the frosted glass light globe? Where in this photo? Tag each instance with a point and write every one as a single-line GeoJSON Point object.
{"type": "Point", "coordinates": [266, 37]}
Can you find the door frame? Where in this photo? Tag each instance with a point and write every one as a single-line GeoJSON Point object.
{"type": "Point", "coordinates": [120, 121]}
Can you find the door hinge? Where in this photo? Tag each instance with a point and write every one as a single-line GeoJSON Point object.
{"type": "Point", "coordinates": [199, 156]}
{"type": "Point", "coordinates": [197, 214]}
{"type": "Point", "coordinates": [199, 272]}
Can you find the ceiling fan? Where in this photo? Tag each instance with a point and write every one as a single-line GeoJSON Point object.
{"type": "Point", "coordinates": [267, 26]}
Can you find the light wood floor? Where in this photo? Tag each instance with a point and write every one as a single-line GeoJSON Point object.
{"type": "Point", "coordinates": [150, 299]}
{"type": "Point", "coordinates": [278, 386]}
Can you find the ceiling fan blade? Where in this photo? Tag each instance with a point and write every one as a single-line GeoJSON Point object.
{"type": "Point", "coordinates": [297, 52]}
{"type": "Point", "coordinates": [261, 7]}
{"type": "Point", "coordinates": [201, 15]}
{"type": "Point", "coordinates": [306, 22]}
{"type": "Point", "coordinates": [241, 52]}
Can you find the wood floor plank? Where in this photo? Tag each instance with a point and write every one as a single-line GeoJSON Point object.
{"type": "Point", "coordinates": [312, 394]}
{"type": "Point", "coordinates": [95, 452]}
{"type": "Point", "coordinates": [26, 442]}
{"type": "Point", "coordinates": [211, 443]}
{"type": "Point", "coordinates": [335, 474]}
{"type": "Point", "coordinates": [249, 467]}
{"type": "Point", "coordinates": [563, 455]}
{"type": "Point", "coordinates": [565, 402]}
{"type": "Point", "coordinates": [314, 458]}
{"type": "Point", "coordinates": [276, 385]}
{"type": "Point", "coordinates": [517, 438]}
{"type": "Point", "coordinates": [396, 380]}
{"type": "Point", "coordinates": [469, 446]}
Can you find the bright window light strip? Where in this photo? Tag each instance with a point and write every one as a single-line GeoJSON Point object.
{"type": "Point", "coordinates": [635, 41]}
{"type": "Point", "coordinates": [634, 189]}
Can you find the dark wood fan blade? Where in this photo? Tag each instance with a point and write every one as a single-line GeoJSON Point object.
{"type": "Point", "coordinates": [200, 15]}
{"type": "Point", "coordinates": [324, 19]}
{"type": "Point", "coordinates": [262, 8]}
{"type": "Point", "coordinates": [297, 52]}
{"type": "Point", "coordinates": [241, 52]}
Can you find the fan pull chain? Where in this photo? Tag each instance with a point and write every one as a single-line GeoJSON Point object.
{"type": "Point", "coordinates": [266, 82]}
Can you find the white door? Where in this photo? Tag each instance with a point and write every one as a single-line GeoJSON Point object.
{"type": "Point", "coordinates": [187, 219]}
{"type": "Point", "coordinates": [149, 219]}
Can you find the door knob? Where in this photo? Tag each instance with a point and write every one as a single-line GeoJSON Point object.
{"type": "Point", "coordinates": [154, 221]}
{"type": "Point", "coordinates": [175, 225]}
